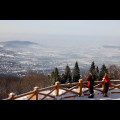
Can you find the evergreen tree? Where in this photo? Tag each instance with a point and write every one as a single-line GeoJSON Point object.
{"type": "Point", "coordinates": [68, 74]}
{"type": "Point", "coordinates": [63, 79]}
{"type": "Point", "coordinates": [97, 72]}
{"type": "Point", "coordinates": [103, 70]}
{"type": "Point", "coordinates": [76, 73]}
{"type": "Point", "coordinates": [92, 68]}
{"type": "Point", "coordinates": [55, 75]}
{"type": "Point", "coordinates": [52, 77]}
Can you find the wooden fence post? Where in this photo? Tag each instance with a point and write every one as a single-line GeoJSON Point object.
{"type": "Point", "coordinates": [36, 93]}
{"type": "Point", "coordinates": [11, 95]}
{"type": "Point", "coordinates": [80, 87]}
{"type": "Point", "coordinates": [57, 89]}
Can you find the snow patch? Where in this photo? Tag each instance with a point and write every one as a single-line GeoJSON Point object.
{"type": "Point", "coordinates": [1, 46]}
{"type": "Point", "coordinates": [2, 55]}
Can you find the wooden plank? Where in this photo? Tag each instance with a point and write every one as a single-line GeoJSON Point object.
{"type": "Point", "coordinates": [31, 96]}
{"type": "Point", "coordinates": [111, 89]}
{"type": "Point", "coordinates": [85, 85]}
{"type": "Point", "coordinates": [48, 94]}
{"type": "Point", "coordinates": [98, 85]}
{"type": "Point", "coordinates": [6, 98]}
{"type": "Point", "coordinates": [85, 82]}
{"type": "Point", "coordinates": [24, 94]}
{"type": "Point", "coordinates": [112, 85]}
{"type": "Point", "coordinates": [47, 88]}
{"type": "Point", "coordinates": [115, 81]}
{"type": "Point", "coordinates": [85, 91]}
{"type": "Point", "coordinates": [94, 86]}
{"type": "Point", "coordinates": [98, 82]}
{"type": "Point", "coordinates": [115, 86]}
{"type": "Point", "coordinates": [73, 87]}
{"type": "Point", "coordinates": [62, 85]}
{"type": "Point", "coordinates": [67, 91]}
{"type": "Point", "coordinates": [94, 82]}
{"type": "Point", "coordinates": [98, 90]}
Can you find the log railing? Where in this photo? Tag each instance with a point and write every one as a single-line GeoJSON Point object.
{"type": "Point", "coordinates": [99, 86]}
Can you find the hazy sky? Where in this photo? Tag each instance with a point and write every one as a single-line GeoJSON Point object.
{"type": "Point", "coordinates": [38, 30]}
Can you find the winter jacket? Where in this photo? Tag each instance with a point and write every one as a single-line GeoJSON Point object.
{"type": "Point", "coordinates": [90, 81]}
{"type": "Point", "coordinates": [106, 79]}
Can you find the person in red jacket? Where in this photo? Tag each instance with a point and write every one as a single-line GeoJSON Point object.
{"type": "Point", "coordinates": [91, 79]}
{"type": "Point", "coordinates": [107, 84]}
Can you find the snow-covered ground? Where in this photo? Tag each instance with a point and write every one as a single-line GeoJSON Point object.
{"type": "Point", "coordinates": [98, 95]}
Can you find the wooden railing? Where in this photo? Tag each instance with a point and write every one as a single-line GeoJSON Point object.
{"type": "Point", "coordinates": [99, 86]}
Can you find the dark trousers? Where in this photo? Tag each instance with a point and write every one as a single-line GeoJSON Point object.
{"type": "Point", "coordinates": [106, 87]}
{"type": "Point", "coordinates": [91, 89]}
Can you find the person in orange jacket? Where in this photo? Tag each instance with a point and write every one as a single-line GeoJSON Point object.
{"type": "Point", "coordinates": [107, 84]}
{"type": "Point", "coordinates": [91, 79]}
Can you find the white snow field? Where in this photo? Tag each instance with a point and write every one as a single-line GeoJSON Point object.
{"type": "Point", "coordinates": [97, 95]}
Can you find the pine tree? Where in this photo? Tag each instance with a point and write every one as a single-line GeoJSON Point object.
{"type": "Point", "coordinates": [52, 77]}
{"type": "Point", "coordinates": [92, 68]}
{"type": "Point", "coordinates": [68, 74]}
{"type": "Point", "coordinates": [97, 72]}
{"type": "Point", "coordinates": [55, 75]}
{"type": "Point", "coordinates": [63, 79]}
{"type": "Point", "coordinates": [76, 73]}
{"type": "Point", "coordinates": [103, 70]}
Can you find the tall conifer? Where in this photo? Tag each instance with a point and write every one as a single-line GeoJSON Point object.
{"type": "Point", "coordinates": [76, 73]}
{"type": "Point", "coordinates": [103, 70]}
{"type": "Point", "coordinates": [68, 74]}
{"type": "Point", "coordinates": [92, 68]}
{"type": "Point", "coordinates": [55, 75]}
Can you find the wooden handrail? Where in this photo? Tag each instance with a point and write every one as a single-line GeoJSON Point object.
{"type": "Point", "coordinates": [46, 88]}
{"type": "Point", "coordinates": [58, 86]}
{"type": "Point", "coordinates": [69, 84]}
{"type": "Point", "coordinates": [24, 94]}
{"type": "Point", "coordinates": [115, 81]}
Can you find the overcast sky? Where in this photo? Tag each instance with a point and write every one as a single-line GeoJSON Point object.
{"type": "Point", "coordinates": [38, 30]}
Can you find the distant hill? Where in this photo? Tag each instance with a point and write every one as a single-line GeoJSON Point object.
{"type": "Point", "coordinates": [15, 44]}
{"type": "Point", "coordinates": [111, 46]}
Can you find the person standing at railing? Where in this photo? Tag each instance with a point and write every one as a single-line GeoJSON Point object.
{"type": "Point", "coordinates": [107, 84]}
{"type": "Point", "coordinates": [91, 78]}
